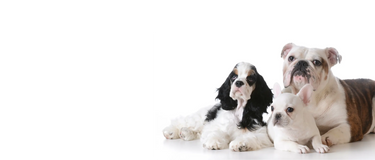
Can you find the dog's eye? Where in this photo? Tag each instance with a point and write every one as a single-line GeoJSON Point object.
{"type": "Point", "coordinates": [234, 77]}
{"type": "Point", "coordinates": [317, 62]}
{"type": "Point", "coordinates": [289, 109]}
{"type": "Point", "coordinates": [272, 108]}
{"type": "Point", "coordinates": [291, 58]}
{"type": "Point", "coordinates": [250, 78]}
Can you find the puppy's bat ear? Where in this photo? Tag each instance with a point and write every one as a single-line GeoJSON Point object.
{"type": "Point", "coordinates": [276, 90]}
{"type": "Point", "coordinates": [333, 56]}
{"type": "Point", "coordinates": [305, 93]}
{"type": "Point", "coordinates": [227, 103]}
{"type": "Point", "coordinates": [286, 50]}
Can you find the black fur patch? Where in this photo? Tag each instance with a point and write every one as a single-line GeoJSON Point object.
{"type": "Point", "coordinates": [211, 114]}
{"type": "Point", "coordinates": [227, 103]}
{"type": "Point", "coordinates": [261, 98]}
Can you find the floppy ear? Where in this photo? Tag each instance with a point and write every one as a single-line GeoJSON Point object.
{"type": "Point", "coordinates": [305, 93]}
{"type": "Point", "coordinates": [286, 49]}
{"type": "Point", "coordinates": [227, 103]}
{"type": "Point", "coordinates": [261, 98]}
{"type": "Point", "coordinates": [276, 90]}
{"type": "Point", "coordinates": [333, 56]}
{"type": "Point", "coordinates": [262, 94]}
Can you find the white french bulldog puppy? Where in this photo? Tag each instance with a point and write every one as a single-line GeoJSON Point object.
{"type": "Point", "coordinates": [291, 126]}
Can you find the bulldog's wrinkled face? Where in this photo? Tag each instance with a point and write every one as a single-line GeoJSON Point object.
{"type": "Point", "coordinates": [307, 65]}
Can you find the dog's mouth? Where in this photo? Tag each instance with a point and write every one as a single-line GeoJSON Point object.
{"type": "Point", "coordinates": [280, 122]}
{"type": "Point", "coordinates": [240, 95]}
{"type": "Point", "coordinates": [275, 122]}
{"type": "Point", "coordinates": [300, 77]}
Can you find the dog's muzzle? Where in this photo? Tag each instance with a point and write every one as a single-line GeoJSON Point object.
{"type": "Point", "coordinates": [301, 69]}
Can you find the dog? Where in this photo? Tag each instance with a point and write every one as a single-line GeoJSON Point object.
{"type": "Point", "coordinates": [236, 122]}
{"type": "Point", "coordinates": [343, 109]}
{"type": "Point", "coordinates": [291, 125]}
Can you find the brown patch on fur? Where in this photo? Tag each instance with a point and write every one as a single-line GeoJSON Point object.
{"type": "Point", "coordinates": [325, 68]}
{"type": "Point", "coordinates": [251, 72]}
{"type": "Point", "coordinates": [359, 94]}
{"type": "Point", "coordinates": [235, 71]}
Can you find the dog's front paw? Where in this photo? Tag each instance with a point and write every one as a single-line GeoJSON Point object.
{"type": "Point", "coordinates": [187, 134]}
{"type": "Point", "coordinates": [239, 146]}
{"type": "Point", "coordinates": [302, 149]}
{"type": "Point", "coordinates": [321, 148]}
{"type": "Point", "coordinates": [171, 132]}
{"type": "Point", "coordinates": [215, 144]}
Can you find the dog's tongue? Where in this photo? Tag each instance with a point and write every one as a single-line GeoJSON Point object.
{"type": "Point", "coordinates": [300, 79]}
{"type": "Point", "coordinates": [297, 78]}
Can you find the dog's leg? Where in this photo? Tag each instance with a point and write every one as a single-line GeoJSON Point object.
{"type": "Point", "coordinates": [187, 128]}
{"type": "Point", "coordinates": [213, 137]}
{"type": "Point", "coordinates": [285, 145]}
{"type": "Point", "coordinates": [171, 132]}
{"type": "Point", "coordinates": [318, 146]}
{"type": "Point", "coordinates": [216, 141]}
{"type": "Point", "coordinates": [245, 140]}
{"type": "Point", "coordinates": [187, 134]}
{"type": "Point", "coordinates": [337, 135]}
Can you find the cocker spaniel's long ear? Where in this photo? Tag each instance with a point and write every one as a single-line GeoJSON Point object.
{"type": "Point", "coordinates": [262, 94]}
{"type": "Point", "coordinates": [227, 103]}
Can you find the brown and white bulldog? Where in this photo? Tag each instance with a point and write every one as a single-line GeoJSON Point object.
{"type": "Point", "coordinates": [343, 109]}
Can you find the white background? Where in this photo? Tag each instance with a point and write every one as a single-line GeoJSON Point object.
{"type": "Point", "coordinates": [190, 64]}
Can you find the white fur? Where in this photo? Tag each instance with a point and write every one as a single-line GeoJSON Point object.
{"type": "Point", "coordinates": [222, 133]}
{"type": "Point", "coordinates": [293, 130]}
{"type": "Point", "coordinates": [187, 128]}
{"type": "Point", "coordinates": [330, 113]}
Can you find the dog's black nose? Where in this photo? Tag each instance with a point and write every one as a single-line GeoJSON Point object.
{"type": "Point", "coordinates": [239, 84]}
{"type": "Point", "coordinates": [300, 68]}
{"type": "Point", "coordinates": [302, 64]}
{"type": "Point", "coordinates": [278, 116]}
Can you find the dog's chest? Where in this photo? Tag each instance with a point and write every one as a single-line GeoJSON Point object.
{"type": "Point", "coordinates": [228, 118]}
{"type": "Point", "coordinates": [238, 113]}
{"type": "Point", "coordinates": [300, 136]}
{"type": "Point", "coordinates": [329, 112]}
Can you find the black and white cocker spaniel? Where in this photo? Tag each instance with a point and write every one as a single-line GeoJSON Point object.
{"type": "Point", "coordinates": [236, 122]}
